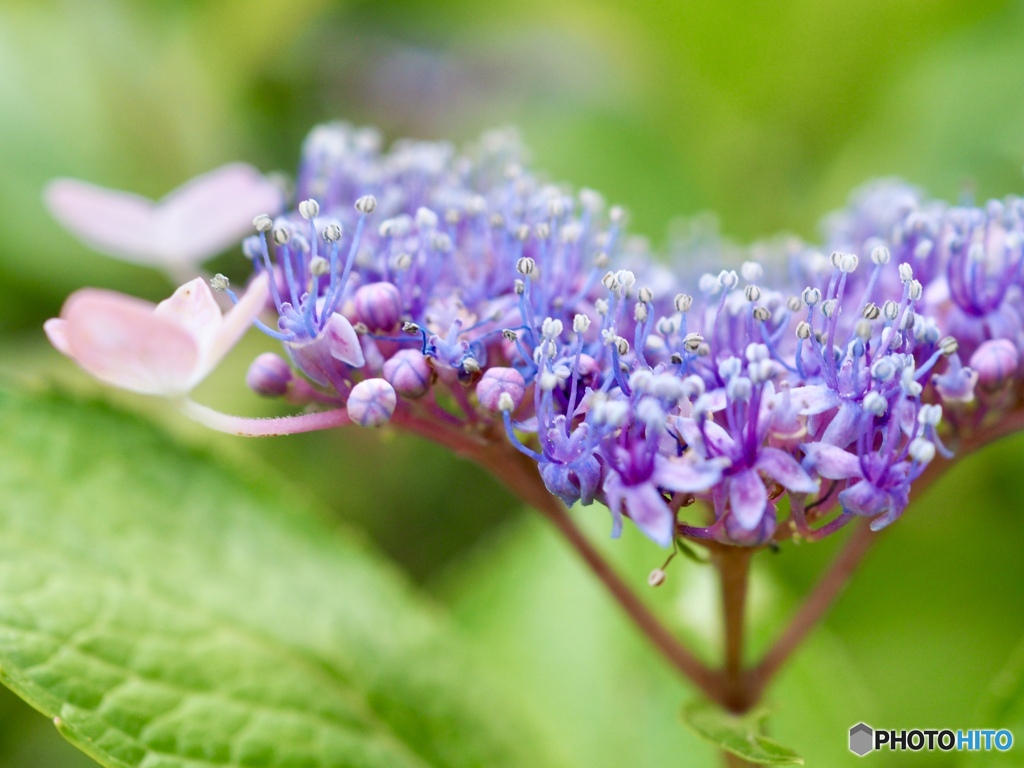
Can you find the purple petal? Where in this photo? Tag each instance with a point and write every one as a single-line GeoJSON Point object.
{"type": "Point", "coordinates": [813, 399]}
{"type": "Point", "coordinates": [686, 476]}
{"type": "Point", "coordinates": [842, 430]}
{"type": "Point", "coordinates": [747, 498]}
{"type": "Point", "coordinates": [648, 510]}
{"type": "Point", "coordinates": [864, 498]}
{"type": "Point", "coordinates": [785, 470]}
{"type": "Point", "coordinates": [832, 462]}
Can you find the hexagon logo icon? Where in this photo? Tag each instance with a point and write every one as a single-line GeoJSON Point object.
{"type": "Point", "coordinates": [862, 739]}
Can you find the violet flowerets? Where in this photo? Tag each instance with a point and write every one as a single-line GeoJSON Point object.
{"type": "Point", "coordinates": [433, 287]}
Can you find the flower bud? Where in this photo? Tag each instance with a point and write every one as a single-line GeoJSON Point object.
{"type": "Point", "coordinates": [409, 373]}
{"type": "Point", "coordinates": [995, 361]}
{"type": "Point", "coordinates": [497, 382]}
{"type": "Point", "coordinates": [379, 305]}
{"type": "Point", "coordinates": [371, 402]}
{"type": "Point", "coordinates": [269, 375]}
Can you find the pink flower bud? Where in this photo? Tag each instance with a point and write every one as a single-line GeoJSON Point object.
{"type": "Point", "coordinates": [269, 375]}
{"type": "Point", "coordinates": [379, 305]}
{"type": "Point", "coordinates": [371, 403]}
{"type": "Point", "coordinates": [995, 361]}
{"type": "Point", "coordinates": [498, 381]}
{"type": "Point", "coordinates": [408, 372]}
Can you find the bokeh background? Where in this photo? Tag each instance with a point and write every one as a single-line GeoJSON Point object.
{"type": "Point", "coordinates": [766, 114]}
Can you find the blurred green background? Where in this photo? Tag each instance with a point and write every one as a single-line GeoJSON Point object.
{"type": "Point", "coordinates": [766, 114]}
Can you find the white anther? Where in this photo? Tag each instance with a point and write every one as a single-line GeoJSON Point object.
{"type": "Point", "coordinates": [520, 287]}
{"type": "Point", "coordinates": [470, 365]}
{"type": "Point", "coordinates": [556, 207]}
{"type": "Point", "coordinates": [803, 330]}
{"type": "Point", "coordinates": [601, 307]}
{"type": "Point", "coordinates": [621, 345]}
{"type": "Point", "coordinates": [883, 369]}
{"type": "Point", "coordinates": [505, 403]}
{"type": "Point", "coordinates": [625, 279]}
{"type": "Point", "coordinates": [915, 289]}
{"type": "Point", "coordinates": [542, 230]}
{"type": "Point", "coordinates": [828, 308]}
{"type": "Point", "coordinates": [811, 296]}
{"type": "Point", "coordinates": [848, 262]}
{"type": "Point", "coordinates": [752, 293]}
{"type": "Point", "coordinates": [738, 389]}
{"type": "Point", "coordinates": [608, 281]}
{"type": "Point", "coordinates": [611, 412]}
{"type": "Point", "coordinates": [650, 412]}
{"type": "Point", "coordinates": [319, 266]}
{"type": "Point", "coordinates": [930, 415]}
{"type": "Point", "coordinates": [871, 312]}
{"type": "Point", "coordinates": [580, 323]}
{"type": "Point", "coordinates": [309, 209]}
{"type": "Point", "coordinates": [441, 242]}
{"type": "Point", "coordinates": [862, 329]}
{"type": "Point", "coordinates": [751, 271]}
{"type": "Point", "coordinates": [602, 260]}
{"type": "Point", "coordinates": [656, 578]}
{"type": "Point", "coordinates": [590, 199]}
{"type": "Point", "coordinates": [476, 205]}
{"type": "Point", "coordinates": [616, 214]}
{"type": "Point", "coordinates": [640, 380]}
{"type": "Point", "coordinates": [755, 353]}
{"type": "Point", "coordinates": [923, 249]}
{"type": "Point", "coordinates": [762, 314]}
{"type": "Point", "coordinates": [282, 235]}
{"type": "Point", "coordinates": [709, 284]}
{"type": "Point", "coordinates": [526, 266]}
{"type": "Point", "coordinates": [547, 381]}
{"type": "Point", "coordinates": [890, 309]}
{"type": "Point", "coordinates": [219, 283]}
{"type": "Point", "coordinates": [875, 404]}
{"type": "Point", "coordinates": [571, 232]}
{"type": "Point", "coordinates": [666, 386]}
{"type": "Point", "coordinates": [910, 387]}
{"type": "Point", "coordinates": [551, 328]}
{"type": "Point", "coordinates": [880, 255]}
{"type": "Point", "coordinates": [728, 279]}
{"type": "Point", "coordinates": [402, 262]}
{"type": "Point", "coordinates": [366, 204]}
{"type": "Point", "coordinates": [906, 273]}
{"type": "Point", "coordinates": [425, 218]}
{"type": "Point", "coordinates": [410, 327]}
{"type": "Point", "coordinates": [640, 312]}
{"type": "Point", "coordinates": [263, 223]}
{"type": "Point", "coordinates": [793, 303]}
{"type": "Point", "coordinates": [682, 302]}
{"type": "Point", "coordinates": [921, 450]}
{"type": "Point", "coordinates": [332, 233]}
{"type": "Point", "coordinates": [667, 326]}
{"type": "Point", "coordinates": [761, 371]}
{"type": "Point", "coordinates": [948, 345]}
{"type": "Point", "coordinates": [729, 367]}
{"type": "Point", "coordinates": [693, 386]}
{"type": "Point", "coordinates": [645, 294]}
{"type": "Point", "coordinates": [692, 341]}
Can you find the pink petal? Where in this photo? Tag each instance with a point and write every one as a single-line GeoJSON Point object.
{"type": "Point", "coordinates": [343, 342]}
{"type": "Point", "coordinates": [214, 211]}
{"type": "Point", "coordinates": [121, 341]}
{"type": "Point", "coordinates": [785, 470]}
{"type": "Point", "coordinates": [747, 498]}
{"type": "Point", "coordinates": [816, 398]}
{"type": "Point", "coordinates": [117, 223]}
{"type": "Point", "coordinates": [193, 307]}
{"type": "Point", "coordinates": [57, 333]}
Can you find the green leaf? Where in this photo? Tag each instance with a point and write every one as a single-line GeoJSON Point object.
{"type": "Point", "coordinates": [168, 613]}
{"type": "Point", "coordinates": [739, 734]}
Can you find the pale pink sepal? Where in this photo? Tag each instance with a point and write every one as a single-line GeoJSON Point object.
{"type": "Point", "coordinates": [245, 427]}
{"type": "Point", "coordinates": [191, 224]}
{"type": "Point", "coordinates": [155, 350]}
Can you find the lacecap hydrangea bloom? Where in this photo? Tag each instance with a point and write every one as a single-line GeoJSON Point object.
{"type": "Point", "coordinates": [791, 390]}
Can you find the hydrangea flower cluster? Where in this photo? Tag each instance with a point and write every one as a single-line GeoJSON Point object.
{"type": "Point", "coordinates": [460, 292]}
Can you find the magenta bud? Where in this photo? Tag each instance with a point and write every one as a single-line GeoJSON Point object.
{"type": "Point", "coordinates": [371, 403]}
{"type": "Point", "coordinates": [269, 375]}
{"type": "Point", "coordinates": [379, 306]}
{"type": "Point", "coordinates": [995, 361]}
{"type": "Point", "coordinates": [408, 372]}
{"type": "Point", "coordinates": [496, 382]}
